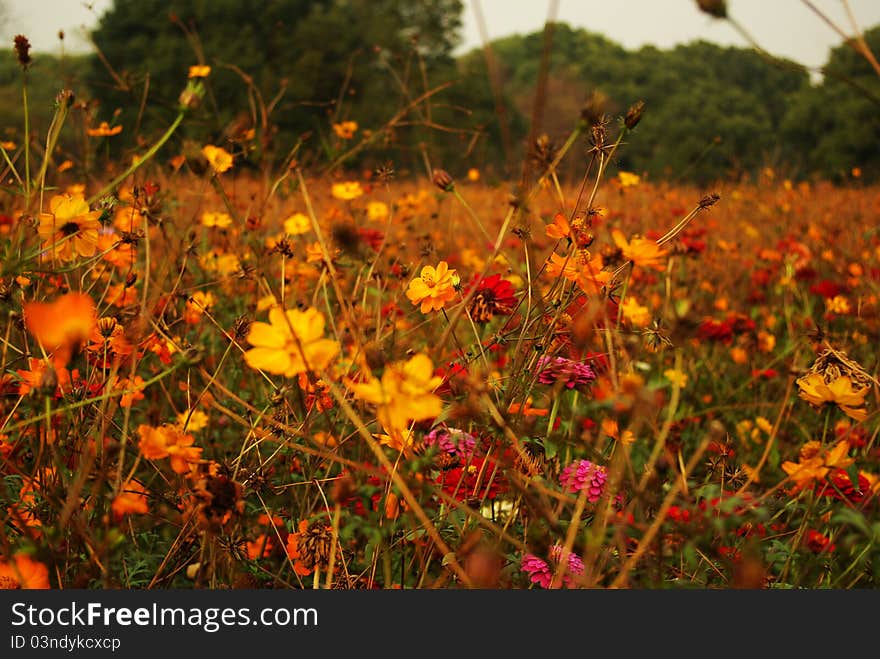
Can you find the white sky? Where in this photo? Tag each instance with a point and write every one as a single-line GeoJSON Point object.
{"type": "Point", "coordinates": [786, 28]}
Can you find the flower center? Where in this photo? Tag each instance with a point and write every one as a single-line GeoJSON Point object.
{"type": "Point", "coordinates": [69, 228]}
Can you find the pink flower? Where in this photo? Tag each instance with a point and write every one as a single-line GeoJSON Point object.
{"type": "Point", "coordinates": [539, 572]}
{"type": "Point", "coordinates": [584, 475]}
{"type": "Point", "coordinates": [559, 369]}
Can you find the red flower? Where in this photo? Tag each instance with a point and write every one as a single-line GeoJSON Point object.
{"type": "Point", "coordinates": [479, 479]}
{"type": "Point", "coordinates": [494, 297]}
{"type": "Point", "coordinates": [817, 542]}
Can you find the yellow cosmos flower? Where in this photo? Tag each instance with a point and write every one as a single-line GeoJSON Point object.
{"type": "Point", "coordinates": [814, 465]}
{"type": "Point", "coordinates": [219, 220]}
{"type": "Point", "coordinates": [297, 224]}
{"type": "Point", "coordinates": [676, 377]}
{"type": "Point", "coordinates": [840, 391]}
{"type": "Point", "coordinates": [404, 394]}
{"type": "Point", "coordinates": [635, 313]}
{"type": "Point", "coordinates": [628, 179]}
{"type": "Point", "coordinates": [199, 71]}
{"type": "Point", "coordinates": [642, 252]}
{"type": "Point", "coordinates": [347, 191]}
{"type": "Point", "coordinates": [292, 342]}
{"type": "Point", "coordinates": [377, 211]}
{"type": "Point", "coordinates": [219, 158]}
{"type": "Point", "coordinates": [69, 229]}
{"type": "Point", "coordinates": [433, 288]}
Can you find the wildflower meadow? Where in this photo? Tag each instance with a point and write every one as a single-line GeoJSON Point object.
{"type": "Point", "coordinates": [232, 363]}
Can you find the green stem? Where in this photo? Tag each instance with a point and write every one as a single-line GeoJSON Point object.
{"type": "Point", "coordinates": [141, 161]}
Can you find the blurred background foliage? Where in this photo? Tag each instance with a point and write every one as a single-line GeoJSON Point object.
{"type": "Point", "coordinates": [711, 111]}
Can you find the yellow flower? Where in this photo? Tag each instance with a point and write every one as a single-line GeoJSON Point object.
{"type": "Point", "coordinates": [641, 251]}
{"type": "Point", "coordinates": [219, 158]}
{"type": "Point", "coordinates": [199, 71]}
{"type": "Point", "coordinates": [347, 191]}
{"type": "Point", "coordinates": [840, 392]}
{"type": "Point", "coordinates": [69, 228]}
{"type": "Point", "coordinates": [839, 305]}
{"type": "Point", "coordinates": [473, 175]}
{"type": "Point", "coordinates": [377, 211]}
{"type": "Point", "coordinates": [219, 220]}
{"type": "Point", "coordinates": [192, 420]}
{"type": "Point", "coordinates": [297, 224]}
{"type": "Point", "coordinates": [345, 130]}
{"type": "Point", "coordinates": [628, 179]}
{"type": "Point", "coordinates": [404, 394]}
{"type": "Point", "coordinates": [291, 342]}
{"type": "Point", "coordinates": [635, 313]}
{"type": "Point", "coordinates": [433, 288]}
{"type": "Point", "coordinates": [676, 377]}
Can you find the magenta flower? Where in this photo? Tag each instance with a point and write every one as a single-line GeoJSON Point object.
{"type": "Point", "coordinates": [453, 441]}
{"type": "Point", "coordinates": [538, 570]}
{"type": "Point", "coordinates": [560, 369]}
{"type": "Point", "coordinates": [584, 475]}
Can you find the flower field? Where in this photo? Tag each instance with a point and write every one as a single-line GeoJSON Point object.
{"type": "Point", "coordinates": [214, 377]}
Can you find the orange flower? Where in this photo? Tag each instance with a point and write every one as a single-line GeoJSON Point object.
{"type": "Point", "coordinates": [199, 71]}
{"type": "Point", "coordinates": [292, 342]}
{"type": "Point", "coordinates": [559, 228]}
{"type": "Point", "coordinates": [104, 130]}
{"type": "Point", "coordinates": [641, 251]}
{"type": "Point", "coordinates": [814, 465]}
{"type": "Point", "coordinates": [345, 130]}
{"type": "Point", "coordinates": [69, 229]}
{"type": "Point", "coordinates": [216, 219]}
{"type": "Point", "coordinates": [41, 374]}
{"type": "Point", "coordinates": [433, 288]}
{"type": "Point", "coordinates": [219, 158]}
{"type": "Point", "coordinates": [23, 573]}
{"type": "Point", "coordinates": [169, 441]}
{"type": "Point", "coordinates": [60, 326]}
{"type": "Point", "coordinates": [527, 409]}
{"type": "Point", "coordinates": [131, 500]}
{"type": "Point", "coordinates": [293, 551]}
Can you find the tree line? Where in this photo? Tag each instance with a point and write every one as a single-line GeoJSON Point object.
{"type": "Point", "coordinates": [283, 72]}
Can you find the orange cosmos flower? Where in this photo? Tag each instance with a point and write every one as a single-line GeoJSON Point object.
{"type": "Point", "coordinates": [104, 130]}
{"type": "Point", "coordinates": [168, 441]}
{"type": "Point", "coordinates": [219, 158]}
{"type": "Point", "coordinates": [69, 229]}
{"type": "Point", "coordinates": [641, 251]}
{"type": "Point", "coordinates": [199, 71]}
{"type": "Point", "coordinates": [345, 130]}
{"type": "Point", "coordinates": [131, 500]}
{"type": "Point", "coordinates": [814, 464]}
{"type": "Point", "coordinates": [559, 228]}
{"type": "Point", "coordinates": [23, 573]}
{"type": "Point", "coordinates": [219, 220]}
{"type": "Point", "coordinates": [433, 288]}
{"type": "Point", "coordinates": [60, 326]}
{"type": "Point", "coordinates": [292, 342]}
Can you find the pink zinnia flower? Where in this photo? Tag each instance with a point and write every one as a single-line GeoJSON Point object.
{"type": "Point", "coordinates": [584, 475]}
{"type": "Point", "coordinates": [559, 369]}
{"type": "Point", "coordinates": [538, 570]}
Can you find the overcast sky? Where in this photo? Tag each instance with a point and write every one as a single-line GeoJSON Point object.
{"type": "Point", "coordinates": [786, 28]}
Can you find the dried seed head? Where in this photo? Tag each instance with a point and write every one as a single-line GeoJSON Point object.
{"type": "Point", "coordinates": [23, 51]}
{"type": "Point", "coordinates": [106, 325]}
{"type": "Point", "coordinates": [715, 8]}
{"type": "Point", "coordinates": [709, 200]}
{"type": "Point", "coordinates": [634, 114]}
{"type": "Point", "coordinates": [314, 545]}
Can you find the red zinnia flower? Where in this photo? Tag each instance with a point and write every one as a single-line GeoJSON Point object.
{"type": "Point", "coordinates": [494, 297]}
